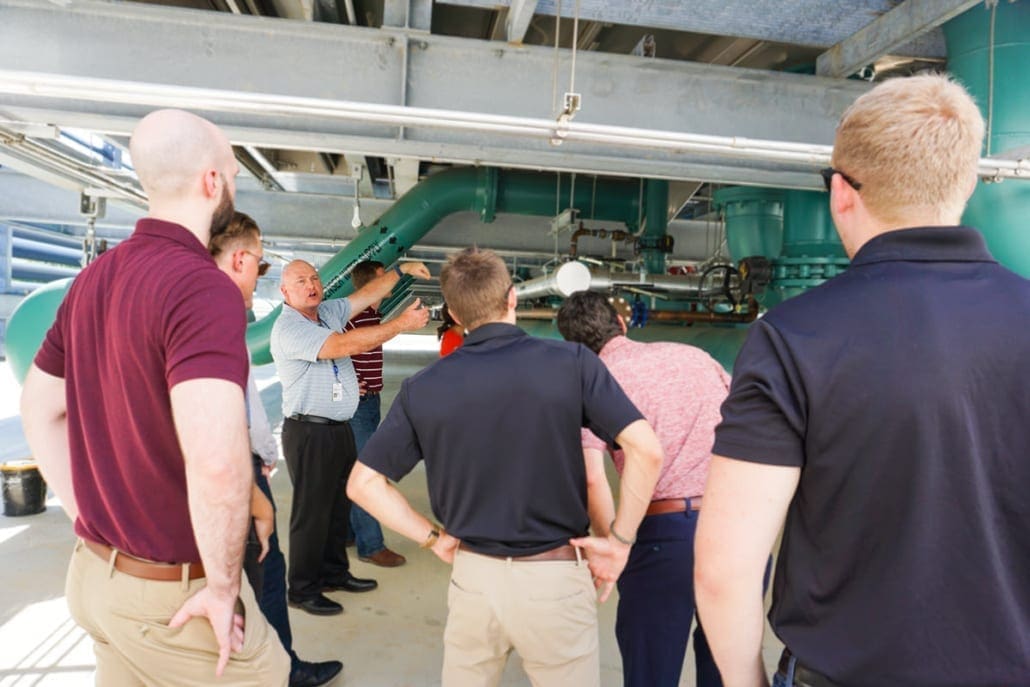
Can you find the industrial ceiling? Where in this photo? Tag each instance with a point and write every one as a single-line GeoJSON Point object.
{"type": "Point", "coordinates": [335, 102]}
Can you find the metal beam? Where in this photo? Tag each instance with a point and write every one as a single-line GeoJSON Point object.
{"type": "Point", "coordinates": [814, 23]}
{"type": "Point", "coordinates": [295, 219]}
{"type": "Point", "coordinates": [412, 14]}
{"type": "Point", "coordinates": [519, 15]}
{"type": "Point", "coordinates": [886, 33]}
{"type": "Point", "coordinates": [649, 164]}
{"type": "Point", "coordinates": [117, 41]}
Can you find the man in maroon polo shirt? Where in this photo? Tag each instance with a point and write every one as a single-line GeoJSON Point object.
{"type": "Point", "coordinates": [134, 409]}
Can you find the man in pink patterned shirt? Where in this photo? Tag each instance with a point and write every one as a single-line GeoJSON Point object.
{"type": "Point", "coordinates": [679, 389]}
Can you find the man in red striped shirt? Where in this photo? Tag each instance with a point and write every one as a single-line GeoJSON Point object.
{"type": "Point", "coordinates": [368, 366]}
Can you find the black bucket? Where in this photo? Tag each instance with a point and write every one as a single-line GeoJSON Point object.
{"type": "Point", "coordinates": [24, 490]}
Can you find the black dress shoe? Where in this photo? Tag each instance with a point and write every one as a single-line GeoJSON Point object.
{"type": "Point", "coordinates": [308, 674]}
{"type": "Point", "coordinates": [318, 605]}
{"type": "Point", "coordinates": [349, 583]}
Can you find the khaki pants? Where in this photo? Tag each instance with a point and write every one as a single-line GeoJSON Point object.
{"type": "Point", "coordinates": [545, 610]}
{"type": "Point", "coordinates": [127, 617]}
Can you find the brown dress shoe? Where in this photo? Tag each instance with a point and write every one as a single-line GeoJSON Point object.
{"type": "Point", "coordinates": [385, 559]}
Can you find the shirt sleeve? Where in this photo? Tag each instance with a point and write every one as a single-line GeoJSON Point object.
{"type": "Point", "coordinates": [50, 357]}
{"type": "Point", "coordinates": [764, 417]}
{"type": "Point", "coordinates": [205, 331]}
{"type": "Point", "coordinates": [606, 408]}
{"type": "Point", "coordinates": [338, 308]}
{"type": "Point", "coordinates": [299, 338]}
{"type": "Point", "coordinates": [394, 449]}
{"type": "Point", "coordinates": [262, 442]}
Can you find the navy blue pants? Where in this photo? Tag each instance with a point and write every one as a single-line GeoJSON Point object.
{"type": "Point", "coordinates": [269, 578]}
{"type": "Point", "coordinates": [656, 606]}
{"type": "Point", "coordinates": [367, 532]}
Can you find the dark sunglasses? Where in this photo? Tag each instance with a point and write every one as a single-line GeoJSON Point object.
{"type": "Point", "coordinates": [262, 265]}
{"type": "Point", "coordinates": [827, 175]}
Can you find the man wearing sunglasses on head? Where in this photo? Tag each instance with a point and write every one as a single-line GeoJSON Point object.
{"type": "Point", "coordinates": [883, 415]}
{"type": "Point", "coordinates": [238, 253]}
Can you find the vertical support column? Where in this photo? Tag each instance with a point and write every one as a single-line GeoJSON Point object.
{"type": "Point", "coordinates": [411, 14]}
{"type": "Point", "coordinates": [5, 258]}
{"type": "Point", "coordinates": [5, 284]}
{"type": "Point", "coordinates": [655, 241]}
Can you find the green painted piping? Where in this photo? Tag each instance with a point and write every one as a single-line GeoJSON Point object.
{"type": "Point", "coordinates": [995, 75]}
{"type": "Point", "coordinates": [655, 234]}
{"type": "Point", "coordinates": [486, 191]}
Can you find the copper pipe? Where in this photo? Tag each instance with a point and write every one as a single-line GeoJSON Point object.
{"type": "Point", "coordinates": [536, 314]}
{"type": "Point", "coordinates": [697, 316]}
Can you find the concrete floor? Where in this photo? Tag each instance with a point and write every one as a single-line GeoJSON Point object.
{"type": "Point", "coordinates": [391, 637]}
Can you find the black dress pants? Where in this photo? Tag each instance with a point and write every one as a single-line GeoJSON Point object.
{"type": "Point", "coordinates": [319, 459]}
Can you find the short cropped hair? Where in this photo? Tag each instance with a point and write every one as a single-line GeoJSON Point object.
{"type": "Point", "coordinates": [364, 272]}
{"type": "Point", "coordinates": [913, 143]}
{"type": "Point", "coordinates": [475, 285]}
{"type": "Point", "coordinates": [242, 231]}
{"type": "Point", "coordinates": [588, 318]}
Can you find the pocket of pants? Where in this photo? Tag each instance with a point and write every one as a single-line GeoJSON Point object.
{"type": "Point", "coordinates": [563, 582]}
{"type": "Point", "coordinates": [464, 588]}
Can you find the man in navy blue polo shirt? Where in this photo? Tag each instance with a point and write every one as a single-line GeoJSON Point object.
{"type": "Point", "coordinates": [498, 424]}
{"type": "Point", "coordinates": [884, 413]}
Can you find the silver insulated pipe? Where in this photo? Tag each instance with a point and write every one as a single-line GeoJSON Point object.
{"type": "Point", "coordinates": [575, 276]}
{"type": "Point", "coordinates": [564, 281]}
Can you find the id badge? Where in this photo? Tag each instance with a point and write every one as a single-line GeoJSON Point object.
{"type": "Point", "coordinates": [337, 392]}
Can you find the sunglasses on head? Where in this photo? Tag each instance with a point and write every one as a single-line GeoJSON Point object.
{"type": "Point", "coordinates": [827, 175]}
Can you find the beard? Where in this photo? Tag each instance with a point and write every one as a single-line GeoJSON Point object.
{"type": "Point", "coordinates": [223, 214]}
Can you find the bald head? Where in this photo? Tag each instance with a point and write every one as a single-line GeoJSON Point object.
{"type": "Point", "coordinates": [295, 268]}
{"type": "Point", "coordinates": [171, 151]}
{"type": "Point", "coordinates": [301, 288]}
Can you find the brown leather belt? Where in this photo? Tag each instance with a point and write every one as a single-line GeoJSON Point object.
{"type": "Point", "coordinates": [566, 552]}
{"type": "Point", "coordinates": [663, 506]}
{"type": "Point", "coordinates": [146, 570]}
{"type": "Point", "coordinates": [803, 677]}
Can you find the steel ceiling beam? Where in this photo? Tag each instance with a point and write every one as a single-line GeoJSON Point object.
{"type": "Point", "coordinates": [289, 219]}
{"type": "Point", "coordinates": [885, 34]}
{"type": "Point", "coordinates": [814, 23]}
{"type": "Point", "coordinates": [188, 48]}
{"type": "Point", "coordinates": [519, 15]}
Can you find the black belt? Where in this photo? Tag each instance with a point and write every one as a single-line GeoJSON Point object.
{"type": "Point", "coordinates": [316, 419]}
{"type": "Point", "coordinates": [370, 393]}
{"type": "Point", "coordinates": [803, 677]}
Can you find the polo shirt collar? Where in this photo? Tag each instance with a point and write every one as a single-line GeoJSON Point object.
{"type": "Point", "coordinates": [491, 330]}
{"type": "Point", "coordinates": [149, 226]}
{"type": "Point", "coordinates": [925, 244]}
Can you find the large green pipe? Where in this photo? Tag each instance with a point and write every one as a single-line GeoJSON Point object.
{"type": "Point", "coordinates": [812, 251]}
{"type": "Point", "coordinates": [656, 209]}
{"type": "Point", "coordinates": [483, 190]}
{"type": "Point", "coordinates": [998, 210]}
{"type": "Point", "coordinates": [754, 220]}
{"type": "Point", "coordinates": [29, 323]}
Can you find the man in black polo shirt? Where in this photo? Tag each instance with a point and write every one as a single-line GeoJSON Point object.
{"type": "Point", "coordinates": [885, 414]}
{"type": "Point", "coordinates": [498, 424]}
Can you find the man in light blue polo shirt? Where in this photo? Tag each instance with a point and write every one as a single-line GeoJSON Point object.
{"type": "Point", "coordinates": [320, 395]}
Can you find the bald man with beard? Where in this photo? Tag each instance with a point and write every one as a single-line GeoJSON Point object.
{"type": "Point", "coordinates": [134, 409]}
